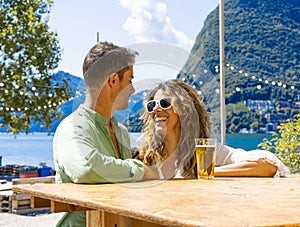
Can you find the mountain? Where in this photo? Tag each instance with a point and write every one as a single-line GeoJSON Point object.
{"type": "Point", "coordinates": [261, 46]}
{"type": "Point", "coordinates": [262, 58]}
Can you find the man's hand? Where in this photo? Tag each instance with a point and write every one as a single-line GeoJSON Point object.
{"type": "Point", "coordinates": [150, 173]}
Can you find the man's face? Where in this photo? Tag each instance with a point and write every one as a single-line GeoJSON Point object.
{"type": "Point", "coordinates": [126, 89]}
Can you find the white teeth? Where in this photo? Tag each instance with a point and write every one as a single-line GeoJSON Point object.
{"type": "Point", "coordinates": [160, 119]}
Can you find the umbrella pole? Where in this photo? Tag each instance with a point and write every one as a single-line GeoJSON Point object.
{"type": "Point", "coordinates": [222, 73]}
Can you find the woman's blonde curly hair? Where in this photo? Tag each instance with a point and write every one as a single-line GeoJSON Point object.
{"type": "Point", "coordinates": [195, 122]}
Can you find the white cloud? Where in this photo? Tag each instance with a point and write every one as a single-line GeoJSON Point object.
{"type": "Point", "coordinates": [136, 6]}
{"type": "Point", "coordinates": [161, 11]}
{"type": "Point", "coordinates": [149, 22]}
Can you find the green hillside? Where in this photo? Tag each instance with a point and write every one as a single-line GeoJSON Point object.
{"type": "Point", "coordinates": [262, 60]}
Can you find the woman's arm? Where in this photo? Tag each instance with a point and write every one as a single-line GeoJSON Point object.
{"type": "Point", "coordinates": [258, 168]}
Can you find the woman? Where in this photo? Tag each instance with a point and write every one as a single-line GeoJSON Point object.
{"type": "Point", "coordinates": [174, 117]}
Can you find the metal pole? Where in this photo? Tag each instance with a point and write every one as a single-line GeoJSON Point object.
{"type": "Point", "coordinates": [222, 73]}
{"type": "Point", "coordinates": [97, 37]}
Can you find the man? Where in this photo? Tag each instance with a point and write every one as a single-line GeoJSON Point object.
{"type": "Point", "coordinates": [90, 145]}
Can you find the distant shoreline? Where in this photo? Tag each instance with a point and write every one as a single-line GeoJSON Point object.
{"type": "Point", "coordinates": [34, 148]}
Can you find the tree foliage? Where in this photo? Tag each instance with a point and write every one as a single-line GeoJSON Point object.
{"type": "Point", "coordinates": [29, 52]}
{"type": "Point", "coordinates": [286, 144]}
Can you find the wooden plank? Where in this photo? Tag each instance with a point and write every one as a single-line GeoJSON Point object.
{"type": "Point", "coordinates": [20, 203]}
{"type": "Point", "coordinates": [34, 180]}
{"type": "Point", "coordinates": [116, 220]}
{"type": "Point", "coordinates": [5, 198]}
{"type": "Point", "coordinates": [138, 223]}
{"type": "Point", "coordinates": [120, 220]}
{"type": "Point", "coordinates": [229, 201]}
{"type": "Point", "coordinates": [21, 196]}
{"type": "Point", "coordinates": [5, 203]}
{"type": "Point", "coordinates": [5, 209]}
{"type": "Point", "coordinates": [65, 207]}
{"type": "Point", "coordinates": [99, 218]}
{"type": "Point", "coordinates": [95, 218]}
{"type": "Point", "coordinates": [37, 202]}
{"type": "Point", "coordinates": [29, 210]}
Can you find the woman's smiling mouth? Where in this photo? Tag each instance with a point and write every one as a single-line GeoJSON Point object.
{"type": "Point", "coordinates": [160, 119]}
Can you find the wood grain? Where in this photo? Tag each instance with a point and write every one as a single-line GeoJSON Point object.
{"type": "Point", "coordinates": [217, 202]}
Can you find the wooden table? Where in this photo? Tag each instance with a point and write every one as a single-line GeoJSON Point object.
{"type": "Point", "coordinates": [217, 202]}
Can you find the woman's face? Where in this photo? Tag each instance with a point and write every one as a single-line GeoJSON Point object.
{"type": "Point", "coordinates": [167, 122]}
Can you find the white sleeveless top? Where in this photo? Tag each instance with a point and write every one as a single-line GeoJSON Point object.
{"type": "Point", "coordinates": [226, 155]}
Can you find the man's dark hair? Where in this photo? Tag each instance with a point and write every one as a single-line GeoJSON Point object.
{"type": "Point", "coordinates": [104, 59]}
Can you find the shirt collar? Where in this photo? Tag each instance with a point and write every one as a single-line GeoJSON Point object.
{"type": "Point", "coordinates": [98, 118]}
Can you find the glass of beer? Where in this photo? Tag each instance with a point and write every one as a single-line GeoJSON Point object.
{"type": "Point", "coordinates": [205, 153]}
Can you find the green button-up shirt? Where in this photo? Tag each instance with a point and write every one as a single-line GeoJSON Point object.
{"type": "Point", "coordinates": [84, 153]}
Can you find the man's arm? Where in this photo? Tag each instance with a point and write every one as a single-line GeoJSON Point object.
{"type": "Point", "coordinates": [81, 161]}
{"type": "Point", "coordinates": [259, 168]}
{"type": "Point", "coordinates": [150, 173]}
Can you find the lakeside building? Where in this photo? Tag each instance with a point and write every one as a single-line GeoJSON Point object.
{"type": "Point", "coordinates": [263, 105]}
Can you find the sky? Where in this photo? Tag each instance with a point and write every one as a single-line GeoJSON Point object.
{"type": "Point", "coordinates": [161, 26]}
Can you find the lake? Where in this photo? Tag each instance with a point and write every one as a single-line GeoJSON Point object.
{"type": "Point", "coordinates": [35, 148]}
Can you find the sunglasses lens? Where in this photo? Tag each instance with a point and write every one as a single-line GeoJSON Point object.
{"type": "Point", "coordinates": [165, 104]}
{"type": "Point", "coordinates": [150, 106]}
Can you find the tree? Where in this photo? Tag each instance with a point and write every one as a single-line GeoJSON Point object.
{"type": "Point", "coordinates": [254, 125]}
{"type": "Point", "coordinates": [286, 145]}
{"type": "Point", "coordinates": [29, 52]}
{"type": "Point", "coordinates": [235, 121]}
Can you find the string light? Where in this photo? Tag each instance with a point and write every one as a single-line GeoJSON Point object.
{"type": "Point", "coordinates": [27, 91]}
{"type": "Point", "coordinates": [266, 81]}
{"type": "Point", "coordinates": [30, 91]}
